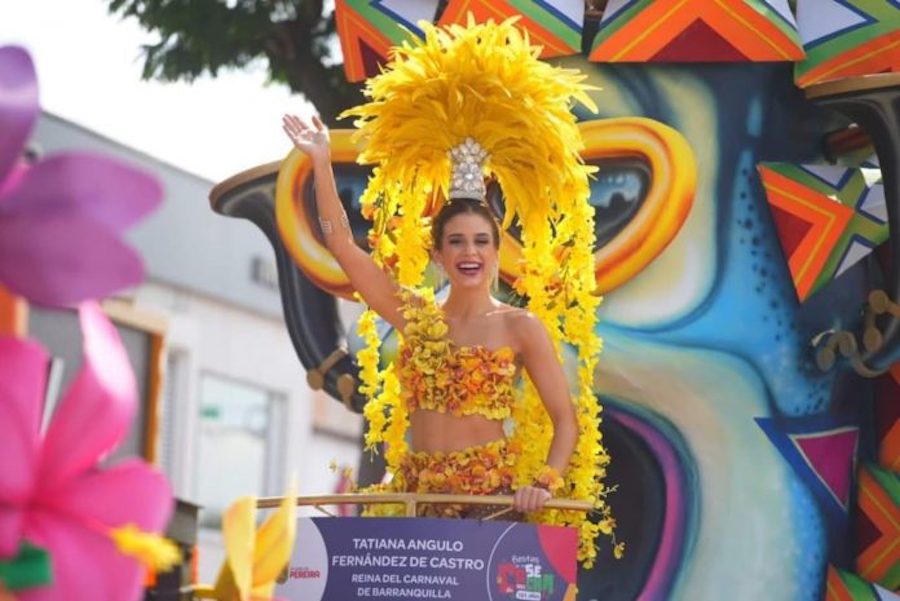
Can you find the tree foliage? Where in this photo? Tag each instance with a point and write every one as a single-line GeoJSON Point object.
{"type": "Point", "coordinates": [295, 37]}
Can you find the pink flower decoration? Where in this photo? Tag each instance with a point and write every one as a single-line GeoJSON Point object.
{"type": "Point", "coordinates": [52, 491]}
{"type": "Point", "coordinates": [61, 219]}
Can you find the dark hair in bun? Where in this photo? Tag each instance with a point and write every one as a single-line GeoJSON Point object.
{"type": "Point", "coordinates": [462, 206]}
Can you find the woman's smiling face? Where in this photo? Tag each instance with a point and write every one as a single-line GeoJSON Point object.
{"type": "Point", "coordinates": [468, 251]}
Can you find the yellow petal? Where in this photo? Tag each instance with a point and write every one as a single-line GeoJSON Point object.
{"type": "Point", "coordinates": [239, 530]}
{"type": "Point", "coordinates": [275, 544]}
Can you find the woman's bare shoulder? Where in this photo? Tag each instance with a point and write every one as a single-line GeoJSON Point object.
{"type": "Point", "coordinates": [519, 319]}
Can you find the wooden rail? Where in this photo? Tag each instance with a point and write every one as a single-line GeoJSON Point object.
{"type": "Point", "coordinates": [412, 500]}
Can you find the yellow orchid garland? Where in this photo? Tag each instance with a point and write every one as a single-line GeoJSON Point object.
{"type": "Point", "coordinates": [485, 81]}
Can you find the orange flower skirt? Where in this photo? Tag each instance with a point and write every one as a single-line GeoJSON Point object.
{"type": "Point", "coordinates": [481, 470]}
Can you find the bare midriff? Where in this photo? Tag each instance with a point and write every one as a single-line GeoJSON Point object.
{"type": "Point", "coordinates": [434, 431]}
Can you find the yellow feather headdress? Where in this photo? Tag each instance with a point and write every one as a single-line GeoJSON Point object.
{"type": "Point", "coordinates": [485, 82]}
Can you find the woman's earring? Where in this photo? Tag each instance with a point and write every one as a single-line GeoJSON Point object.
{"type": "Point", "coordinates": [495, 280]}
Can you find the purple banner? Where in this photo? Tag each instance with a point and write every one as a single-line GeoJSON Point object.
{"type": "Point", "coordinates": [405, 559]}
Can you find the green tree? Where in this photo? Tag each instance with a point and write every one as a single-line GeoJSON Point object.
{"type": "Point", "coordinates": [296, 38]}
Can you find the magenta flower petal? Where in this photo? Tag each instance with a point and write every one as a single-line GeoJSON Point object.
{"type": "Point", "coordinates": [84, 186]}
{"type": "Point", "coordinates": [23, 373]}
{"type": "Point", "coordinates": [59, 261]}
{"type": "Point", "coordinates": [131, 492]}
{"type": "Point", "coordinates": [18, 104]}
{"type": "Point", "coordinates": [96, 411]}
{"type": "Point", "coordinates": [12, 178]}
{"type": "Point", "coordinates": [11, 523]}
{"type": "Point", "coordinates": [86, 564]}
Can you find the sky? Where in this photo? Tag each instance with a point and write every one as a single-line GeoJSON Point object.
{"type": "Point", "coordinates": [89, 65]}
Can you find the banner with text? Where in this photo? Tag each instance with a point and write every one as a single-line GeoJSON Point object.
{"type": "Point", "coordinates": [350, 559]}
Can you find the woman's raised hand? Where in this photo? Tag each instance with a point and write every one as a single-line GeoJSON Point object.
{"type": "Point", "coordinates": [309, 138]}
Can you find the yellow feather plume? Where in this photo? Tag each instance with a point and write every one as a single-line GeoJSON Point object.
{"type": "Point", "coordinates": [485, 82]}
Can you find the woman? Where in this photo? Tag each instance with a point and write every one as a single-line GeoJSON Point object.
{"type": "Point", "coordinates": [466, 425]}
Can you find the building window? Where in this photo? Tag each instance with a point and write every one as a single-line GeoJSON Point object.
{"type": "Point", "coordinates": [174, 397]}
{"type": "Point", "coordinates": [240, 449]}
{"type": "Point", "coordinates": [142, 333]}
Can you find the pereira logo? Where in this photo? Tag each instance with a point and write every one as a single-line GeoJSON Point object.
{"type": "Point", "coordinates": [523, 579]}
{"type": "Point", "coordinates": [297, 572]}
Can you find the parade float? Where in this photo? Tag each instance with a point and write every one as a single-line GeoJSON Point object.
{"type": "Point", "coordinates": [746, 214]}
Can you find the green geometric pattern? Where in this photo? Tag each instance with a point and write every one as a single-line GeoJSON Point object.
{"type": "Point", "coordinates": [846, 38]}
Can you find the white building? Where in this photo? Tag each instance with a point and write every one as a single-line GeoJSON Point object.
{"type": "Point", "coordinates": [234, 415]}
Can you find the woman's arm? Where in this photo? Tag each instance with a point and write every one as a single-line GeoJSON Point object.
{"type": "Point", "coordinates": [377, 289]}
{"type": "Point", "coordinates": [543, 368]}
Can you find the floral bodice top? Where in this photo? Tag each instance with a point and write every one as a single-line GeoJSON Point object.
{"type": "Point", "coordinates": [438, 375]}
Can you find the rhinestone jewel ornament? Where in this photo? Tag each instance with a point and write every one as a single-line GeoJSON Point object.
{"type": "Point", "coordinates": [467, 179]}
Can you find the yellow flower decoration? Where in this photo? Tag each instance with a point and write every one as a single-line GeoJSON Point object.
{"type": "Point", "coordinates": [255, 556]}
{"type": "Point", "coordinates": [435, 375]}
{"type": "Point", "coordinates": [153, 551]}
